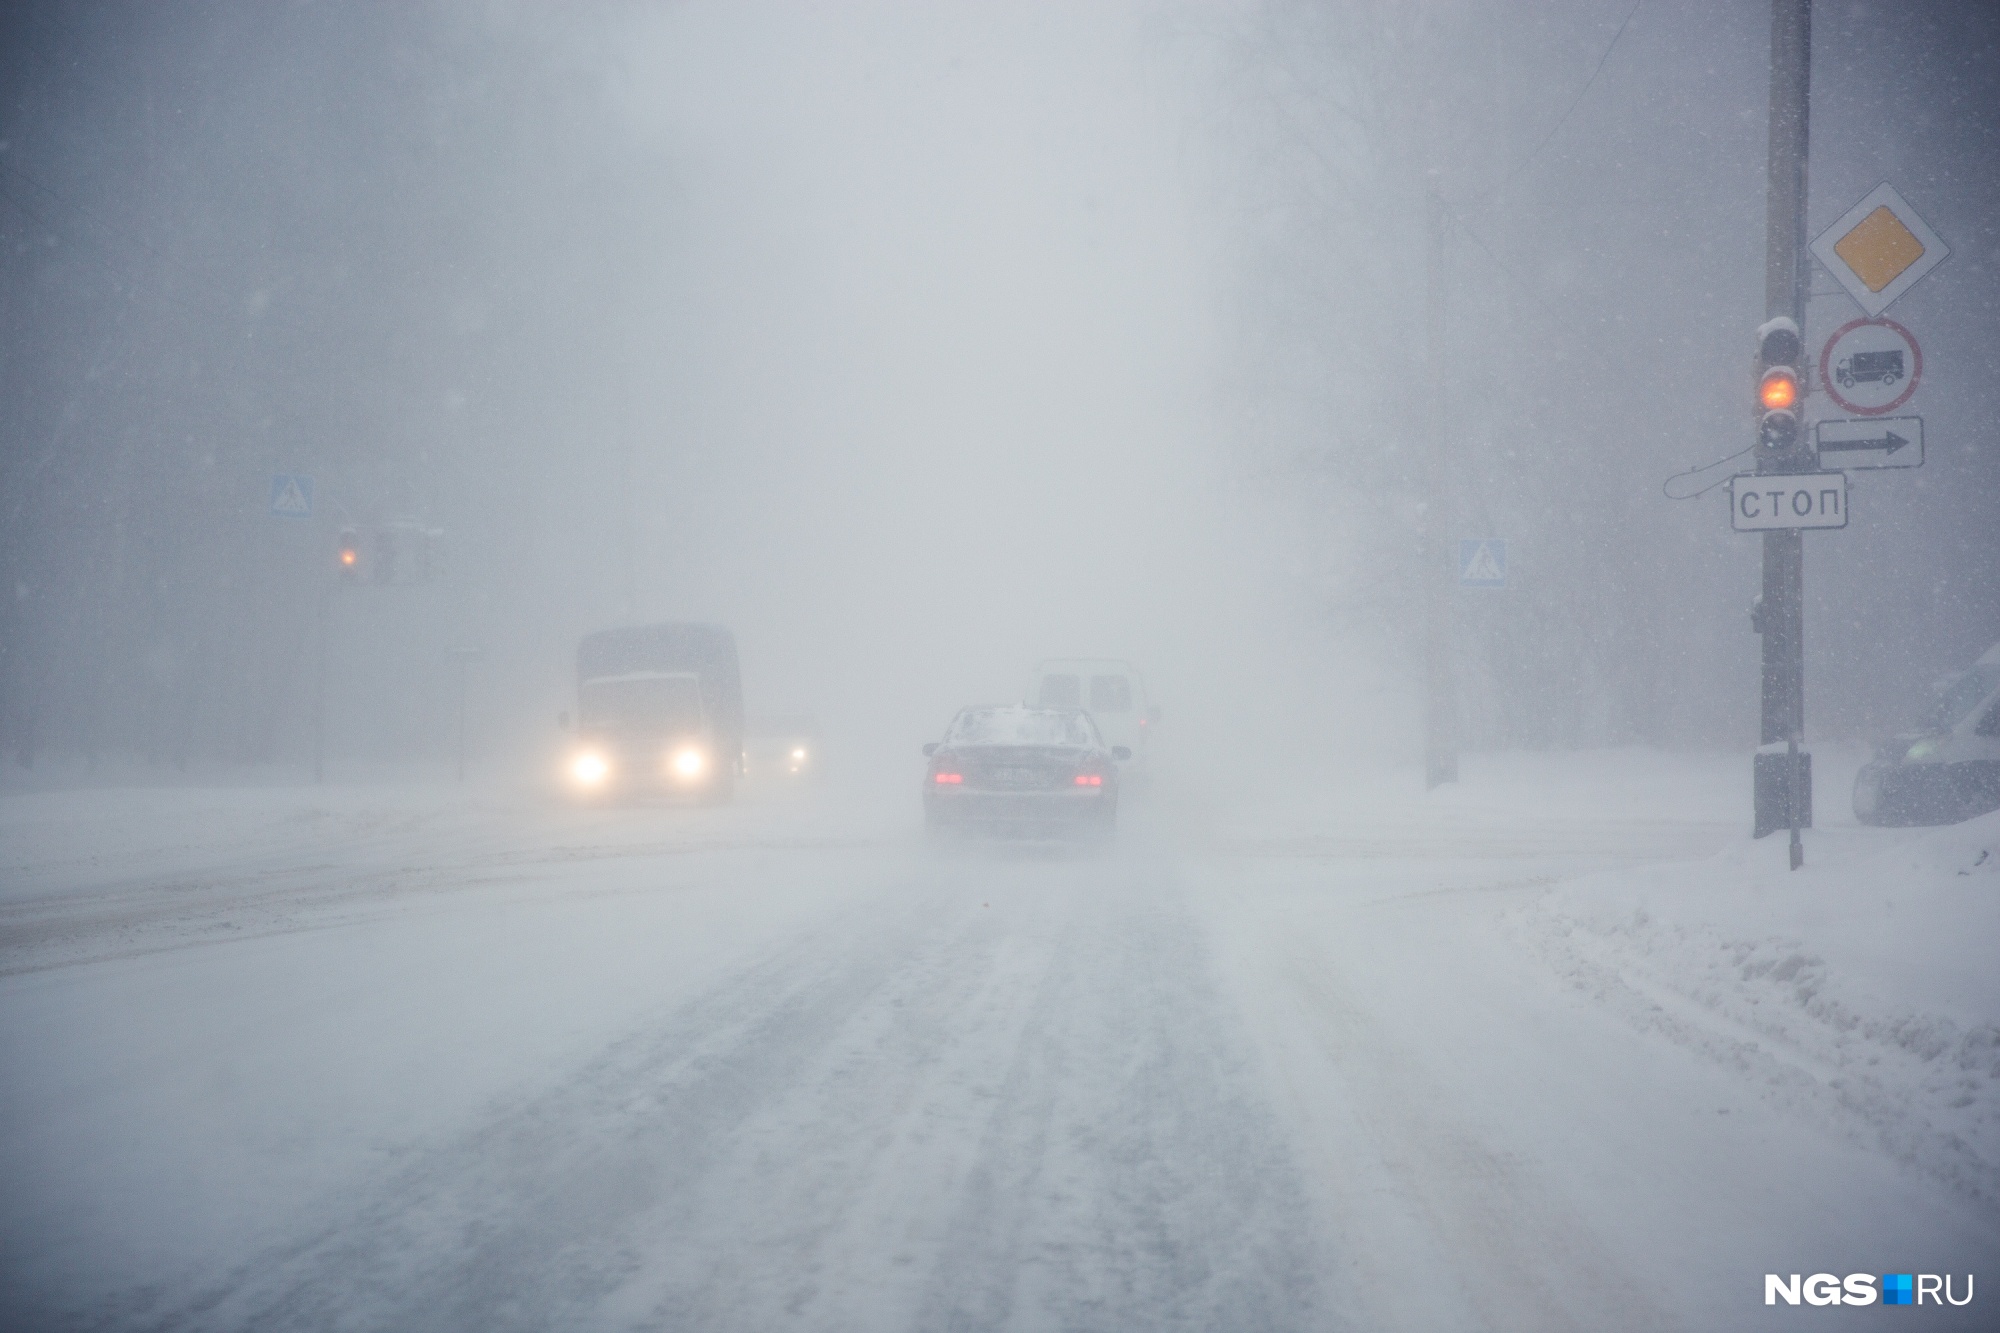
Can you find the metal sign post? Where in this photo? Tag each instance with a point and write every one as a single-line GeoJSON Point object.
{"type": "Point", "coordinates": [324, 621]}
{"type": "Point", "coordinates": [1440, 685]}
{"type": "Point", "coordinates": [1782, 616]}
{"type": "Point", "coordinates": [1869, 368]}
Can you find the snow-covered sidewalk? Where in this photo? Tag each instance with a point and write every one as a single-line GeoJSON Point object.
{"type": "Point", "coordinates": [1863, 983]}
{"type": "Point", "coordinates": [1860, 990]}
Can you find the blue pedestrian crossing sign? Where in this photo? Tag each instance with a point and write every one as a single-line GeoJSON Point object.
{"type": "Point", "coordinates": [1482, 563]}
{"type": "Point", "coordinates": [292, 495]}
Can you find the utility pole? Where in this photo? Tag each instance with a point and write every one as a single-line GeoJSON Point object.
{"type": "Point", "coordinates": [465, 657]}
{"type": "Point", "coordinates": [628, 541]}
{"type": "Point", "coordinates": [1782, 611]}
{"type": "Point", "coordinates": [1440, 696]}
{"type": "Point", "coordinates": [324, 619]}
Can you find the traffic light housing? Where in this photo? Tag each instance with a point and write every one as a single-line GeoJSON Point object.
{"type": "Point", "coordinates": [396, 552]}
{"type": "Point", "coordinates": [1781, 399]}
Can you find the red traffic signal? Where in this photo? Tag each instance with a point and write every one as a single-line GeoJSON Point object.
{"type": "Point", "coordinates": [347, 556]}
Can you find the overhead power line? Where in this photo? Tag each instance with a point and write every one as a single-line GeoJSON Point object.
{"type": "Point", "coordinates": [1563, 119]}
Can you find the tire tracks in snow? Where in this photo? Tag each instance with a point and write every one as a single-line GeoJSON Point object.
{"type": "Point", "coordinates": [1000, 1096]}
{"type": "Point", "coordinates": [1437, 1218]}
{"type": "Point", "coordinates": [1132, 1175]}
{"type": "Point", "coordinates": [530, 1217]}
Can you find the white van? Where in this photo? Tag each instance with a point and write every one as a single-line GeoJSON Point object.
{"type": "Point", "coordinates": [1111, 691]}
{"type": "Point", "coordinates": [1950, 769]}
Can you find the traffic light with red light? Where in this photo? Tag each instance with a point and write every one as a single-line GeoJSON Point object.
{"type": "Point", "coordinates": [347, 556]}
{"type": "Point", "coordinates": [1780, 398]}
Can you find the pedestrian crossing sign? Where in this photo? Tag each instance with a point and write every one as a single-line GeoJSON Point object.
{"type": "Point", "coordinates": [292, 495]}
{"type": "Point", "coordinates": [1482, 563]}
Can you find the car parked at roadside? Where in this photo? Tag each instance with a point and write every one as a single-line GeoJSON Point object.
{"type": "Point", "coordinates": [1950, 769]}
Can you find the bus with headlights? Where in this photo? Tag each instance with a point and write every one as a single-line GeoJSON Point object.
{"type": "Point", "coordinates": [659, 709]}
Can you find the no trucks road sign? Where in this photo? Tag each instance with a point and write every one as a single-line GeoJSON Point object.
{"type": "Point", "coordinates": [1871, 366]}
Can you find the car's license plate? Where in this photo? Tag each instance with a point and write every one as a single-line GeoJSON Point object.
{"type": "Point", "coordinates": [1017, 777]}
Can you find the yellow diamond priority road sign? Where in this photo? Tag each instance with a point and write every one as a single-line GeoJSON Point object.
{"type": "Point", "coordinates": [1879, 249]}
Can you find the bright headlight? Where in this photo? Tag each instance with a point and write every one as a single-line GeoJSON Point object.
{"type": "Point", "coordinates": [799, 754]}
{"type": "Point", "coordinates": [589, 768]}
{"type": "Point", "coordinates": [689, 762]}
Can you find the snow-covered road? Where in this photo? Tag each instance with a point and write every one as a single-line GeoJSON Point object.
{"type": "Point", "coordinates": [286, 1059]}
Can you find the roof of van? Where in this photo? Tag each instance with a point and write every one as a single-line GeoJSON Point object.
{"type": "Point", "coordinates": [643, 675]}
{"type": "Point", "coordinates": [1049, 664]}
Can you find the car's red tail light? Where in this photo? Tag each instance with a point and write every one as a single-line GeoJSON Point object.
{"type": "Point", "coordinates": [1090, 779]}
{"type": "Point", "coordinates": [947, 777]}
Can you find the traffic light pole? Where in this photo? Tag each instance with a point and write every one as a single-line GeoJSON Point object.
{"type": "Point", "coordinates": [1782, 620]}
{"type": "Point", "coordinates": [1440, 696]}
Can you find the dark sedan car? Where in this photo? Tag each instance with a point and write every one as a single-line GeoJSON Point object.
{"type": "Point", "coordinates": [1022, 771]}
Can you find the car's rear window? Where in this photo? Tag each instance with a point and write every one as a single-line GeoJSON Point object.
{"type": "Point", "coordinates": [1020, 726]}
{"type": "Point", "coordinates": [1110, 694]}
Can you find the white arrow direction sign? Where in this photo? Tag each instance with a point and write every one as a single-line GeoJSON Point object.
{"type": "Point", "coordinates": [1881, 442]}
{"type": "Point", "coordinates": [1802, 500]}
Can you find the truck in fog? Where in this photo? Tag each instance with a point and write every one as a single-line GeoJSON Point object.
{"type": "Point", "coordinates": [659, 708]}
